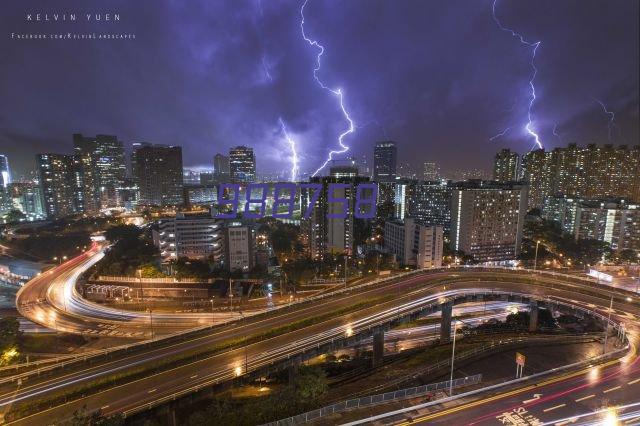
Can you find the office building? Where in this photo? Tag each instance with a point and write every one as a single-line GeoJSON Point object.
{"type": "Point", "coordinates": [430, 171]}
{"type": "Point", "coordinates": [343, 171]}
{"type": "Point", "coordinates": [200, 195]}
{"type": "Point", "coordinates": [158, 174]}
{"type": "Point", "coordinates": [242, 164]}
{"type": "Point", "coordinates": [5, 171]}
{"type": "Point", "coordinates": [194, 236]}
{"type": "Point", "coordinates": [221, 168]}
{"type": "Point", "coordinates": [384, 162]}
{"type": "Point", "coordinates": [414, 244]}
{"type": "Point", "coordinates": [614, 222]}
{"type": "Point", "coordinates": [487, 219]}
{"type": "Point", "coordinates": [506, 166]}
{"type": "Point", "coordinates": [239, 247]}
{"type": "Point", "coordinates": [103, 169]}
{"type": "Point", "coordinates": [60, 178]}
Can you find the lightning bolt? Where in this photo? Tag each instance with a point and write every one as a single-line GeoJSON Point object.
{"type": "Point", "coordinates": [555, 132]}
{"type": "Point", "coordinates": [499, 135]}
{"type": "Point", "coordinates": [336, 92]}
{"type": "Point", "coordinates": [532, 98]}
{"type": "Point", "coordinates": [294, 154]}
{"type": "Point", "coordinates": [611, 114]}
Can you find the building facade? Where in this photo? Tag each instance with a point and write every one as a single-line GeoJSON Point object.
{"type": "Point", "coordinates": [487, 219]}
{"type": "Point", "coordinates": [385, 156]}
{"type": "Point", "coordinates": [242, 164]}
{"type": "Point", "coordinates": [506, 166]}
{"type": "Point", "coordinates": [616, 223]}
{"type": "Point", "coordinates": [158, 174]}
{"type": "Point", "coordinates": [61, 183]}
{"type": "Point", "coordinates": [239, 247]}
{"type": "Point", "coordinates": [414, 244]}
{"type": "Point", "coordinates": [221, 168]}
{"type": "Point", "coordinates": [194, 236]}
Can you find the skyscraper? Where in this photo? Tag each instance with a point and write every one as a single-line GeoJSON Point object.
{"type": "Point", "coordinates": [506, 166]}
{"type": "Point", "coordinates": [5, 172]}
{"type": "Point", "coordinates": [221, 168]}
{"type": "Point", "coordinates": [60, 178]}
{"type": "Point", "coordinates": [158, 171]}
{"type": "Point", "coordinates": [242, 164]}
{"type": "Point", "coordinates": [487, 219]}
{"type": "Point", "coordinates": [430, 171]}
{"type": "Point", "coordinates": [103, 169]}
{"type": "Point", "coordinates": [384, 162]}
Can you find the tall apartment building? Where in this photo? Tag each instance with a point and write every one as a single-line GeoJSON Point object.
{"type": "Point", "coordinates": [414, 244]}
{"type": "Point", "coordinates": [506, 166]}
{"type": "Point", "coordinates": [158, 174]}
{"type": "Point", "coordinates": [239, 247]}
{"type": "Point", "coordinates": [331, 235]}
{"type": "Point", "coordinates": [562, 209]}
{"type": "Point", "coordinates": [431, 171]}
{"type": "Point", "coordinates": [617, 223]}
{"type": "Point", "coordinates": [242, 164]}
{"type": "Point", "coordinates": [427, 202]}
{"type": "Point", "coordinates": [487, 219]}
{"type": "Point", "coordinates": [103, 169]}
{"type": "Point", "coordinates": [5, 171]}
{"type": "Point", "coordinates": [61, 183]}
{"type": "Point", "coordinates": [591, 172]}
{"type": "Point", "coordinates": [194, 236]}
{"type": "Point", "coordinates": [385, 157]}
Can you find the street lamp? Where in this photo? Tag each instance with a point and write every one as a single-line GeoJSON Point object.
{"type": "Point", "coordinates": [535, 262]}
{"type": "Point", "coordinates": [151, 321]}
{"type": "Point", "coordinates": [453, 354]}
{"type": "Point", "coordinates": [212, 318]}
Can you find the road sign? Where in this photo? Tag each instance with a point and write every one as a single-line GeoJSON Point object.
{"type": "Point", "coordinates": [520, 359]}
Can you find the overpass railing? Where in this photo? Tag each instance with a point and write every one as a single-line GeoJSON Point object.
{"type": "Point", "coordinates": [372, 400]}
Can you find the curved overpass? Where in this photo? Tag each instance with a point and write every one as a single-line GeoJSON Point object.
{"type": "Point", "coordinates": [392, 299]}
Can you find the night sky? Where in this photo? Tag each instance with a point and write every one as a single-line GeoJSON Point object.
{"type": "Point", "coordinates": [438, 77]}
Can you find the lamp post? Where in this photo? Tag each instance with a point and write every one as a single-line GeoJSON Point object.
{"type": "Point", "coordinates": [151, 321]}
{"type": "Point", "coordinates": [453, 354]}
{"type": "Point", "coordinates": [212, 318]}
{"type": "Point", "coordinates": [535, 262]}
{"type": "Point", "coordinates": [345, 271]}
{"type": "Point", "coordinates": [606, 328]}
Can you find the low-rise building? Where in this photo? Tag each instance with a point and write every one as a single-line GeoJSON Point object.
{"type": "Point", "coordinates": [414, 244]}
{"type": "Point", "coordinates": [239, 247]}
{"type": "Point", "coordinates": [195, 236]}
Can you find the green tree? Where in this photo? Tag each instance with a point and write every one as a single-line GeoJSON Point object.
{"type": "Point", "coordinates": [311, 384]}
{"type": "Point", "coordinates": [9, 333]}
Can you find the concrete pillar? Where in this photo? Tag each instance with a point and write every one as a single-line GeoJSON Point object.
{"type": "Point", "coordinates": [378, 348]}
{"type": "Point", "coordinates": [533, 316]}
{"type": "Point", "coordinates": [445, 323]}
{"type": "Point", "coordinates": [292, 369]}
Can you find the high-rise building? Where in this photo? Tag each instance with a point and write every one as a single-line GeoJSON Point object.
{"type": "Point", "coordinates": [430, 171]}
{"type": "Point", "coordinates": [591, 172]}
{"type": "Point", "coordinates": [413, 244]}
{"type": "Point", "coordinates": [221, 168]}
{"type": "Point", "coordinates": [343, 171]}
{"type": "Point", "coordinates": [61, 182]}
{"type": "Point", "coordinates": [242, 164]}
{"type": "Point", "coordinates": [562, 209]}
{"type": "Point", "coordinates": [103, 169]}
{"type": "Point", "coordinates": [506, 166]}
{"type": "Point", "coordinates": [430, 204]}
{"type": "Point", "coordinates": [325, 235]}
{"type": "Point", "coordinates": [158, 171]}
{"type": "Point", "coordinates": [5, 171]}
{"type": "Point", "coordinates": [487, 219]}
{"type": "Point", "coordinates": [194, 236]}
{"type": "Point", "coordinates": [617, 223]}
{"type": "Point", "coordinates": [384, 162]}
{"type": "Point", "coordinates": [239, 247]}
{"type": "Point", "coordinates": [27, 198]}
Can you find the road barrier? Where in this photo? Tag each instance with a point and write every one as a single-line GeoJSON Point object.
{"type": "Point", "coordinates": [371, 400]}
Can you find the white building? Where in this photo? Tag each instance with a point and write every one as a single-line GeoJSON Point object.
{"type": "Point", "coordinates": [414, 244]}
{"type": "Point", "coordinates": [617, 223]}
{"type": "Point", "coordinates": [239, 247]}
{"type": "Point", "coordinates": [195, 236]}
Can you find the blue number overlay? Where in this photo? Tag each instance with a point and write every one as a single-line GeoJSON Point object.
{"type": "Point", "coordinates": [336, 195]}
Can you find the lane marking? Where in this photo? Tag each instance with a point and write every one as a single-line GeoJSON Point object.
{"type": "Point", "coordinates": [633, 382]}
{"type": "Point", "coordinates": [153, 390]}
{"type": "Point", "coordinates": [104, 408]}
{"type": "Point", "coordinates": [536, 396]}
{"type": "Point", "coordinates": [194, 376]}
{"type": "Point", "coordinates": [554, 408]}
{"type": "Point", "coordinates": [585, 398]}
{"type": "Point", "coordinates": [611, 389]}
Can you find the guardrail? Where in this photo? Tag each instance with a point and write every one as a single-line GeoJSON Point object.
{"type": "Point", "coordinates": [371, 400]}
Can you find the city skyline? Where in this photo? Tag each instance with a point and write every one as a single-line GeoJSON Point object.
{"type": "Point", "coordinates": [230, 86]}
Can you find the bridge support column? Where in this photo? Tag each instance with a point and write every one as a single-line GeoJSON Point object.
{"type": "Point", "coordinates": [445, 322]}
{"type": "Point", "coordinates": [292, 369]}
{"type": "Point", "coordinates": [378, 348]}
{"type": "Point", "coordinates": [533, 316]}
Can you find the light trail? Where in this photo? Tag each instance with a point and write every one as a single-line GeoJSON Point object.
{"type": "Point", "coordinates": [532, 97]}
{"type": "Point", "coordinates": [336, 92]}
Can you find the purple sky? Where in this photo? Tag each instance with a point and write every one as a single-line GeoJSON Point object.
{"type": "Point", "coordinates": [438, 77]}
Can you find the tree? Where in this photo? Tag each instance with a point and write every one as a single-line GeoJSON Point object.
{"type": "Point", "coordinates": [9, 333]}
{"type": "Point", "coordinates": [119, 232]}
{"type": "Point", "coordinates": [311, 383]}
